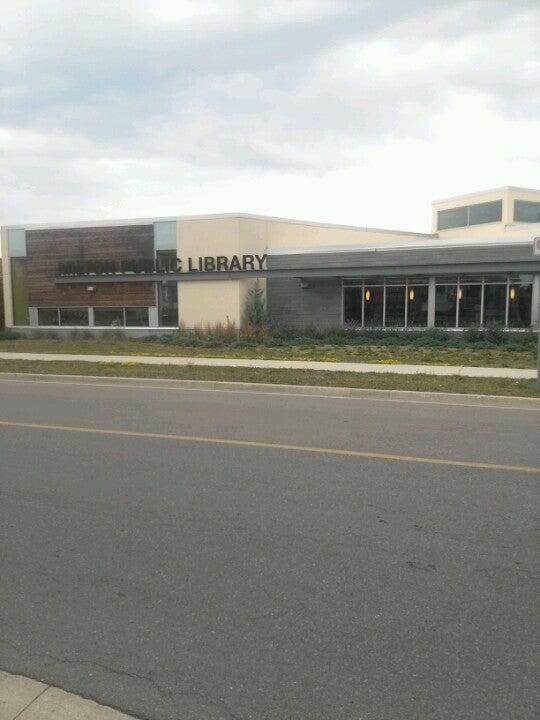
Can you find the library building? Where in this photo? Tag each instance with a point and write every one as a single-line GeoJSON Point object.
{"type": "Point", "coordinates": [479, 267]}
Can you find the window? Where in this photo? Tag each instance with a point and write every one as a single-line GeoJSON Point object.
{"type": "Point", "coordinates": [74, 317]}
{"type": "Point", "coordinates": [417, 305]}
{"type": "Point", "coordinates": [352, 305]}
{"type": "Point", "coordinates": [464, 301]}
{"type": "Point", "coordinates": [470, 305]}
{"type": "Point", "coordinates": [495, 304]}
{"type": "Point", "coordinates": [386, 302]}
{"type": "Point", "coordinates": [525, 211]}
{"type": "Point", "coordinates": [48, 316]}
{"type": "Point", "coordinates": [520, 302]}
{"type": "Point", "coordinates": [168, 305]}
{"type": "Point", "coordinates": [470, 215]}
{"type": "Point", "coordinates": [485, 212]}
{"type": "Point", "coordinates": [373, 306]}
{"type": "Point", "coordinates": [109, 317]}
{"type": "Point", "coordinates": [121, 317]}
{"type": "Point", "coordinates": [137, 317]}
{"type": "Point", "coordinates": [166, 261]}
{"type": "Point", "coordinates": [395, 306]}
{"type": "Point", "coordinates": [457, 217]}
{"type": "Point", "coordinates": [446, 305]}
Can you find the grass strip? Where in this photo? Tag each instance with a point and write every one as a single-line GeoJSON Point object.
{"type": "Point", "coordinates": [391, 354]}
{"type": "Point", "coordinates": [382, 381]}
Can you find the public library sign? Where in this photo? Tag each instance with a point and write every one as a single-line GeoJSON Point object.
{"type": "Point", "coordinates": [145, 266]}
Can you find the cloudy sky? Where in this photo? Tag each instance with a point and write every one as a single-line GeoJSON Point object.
{"type": "Point", "coordinates": [348, 111]}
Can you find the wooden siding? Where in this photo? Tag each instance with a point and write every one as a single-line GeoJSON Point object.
{"type": "Point", "coordinates": [46, 248]}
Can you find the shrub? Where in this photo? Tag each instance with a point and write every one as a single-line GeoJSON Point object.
{"type": "Point", "coordinates": [9, 335]}
{"type": "Point", "coordinates": [473, 335]}
{"type": "Point", "coordinates": [255, 309]}
{"type": "Point", "coordinates": [495, 335]}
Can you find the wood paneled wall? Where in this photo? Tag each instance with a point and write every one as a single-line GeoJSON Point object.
{"type": "Point", "coordinates": [46, 248]}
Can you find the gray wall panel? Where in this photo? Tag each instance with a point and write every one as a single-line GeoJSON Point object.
{"type": "Point", "coordinates": [293, 306]}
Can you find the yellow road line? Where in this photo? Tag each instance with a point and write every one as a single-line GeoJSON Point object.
{"type": "Point", "coordinates": [273, 446]}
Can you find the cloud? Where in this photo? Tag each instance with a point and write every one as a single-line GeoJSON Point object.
{"type": "Point", "coordinates": [104, 106]}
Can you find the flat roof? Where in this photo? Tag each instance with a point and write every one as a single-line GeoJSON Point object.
{"type": "Point", "coordinates": [446, 244]}
{"type": "Point", "coordinates": [216, 216]}
{"type": "Point", "coordinates": [491, 191]}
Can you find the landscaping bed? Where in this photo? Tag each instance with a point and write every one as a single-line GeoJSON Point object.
{"type": "Point", "coordinates": [433, 347]}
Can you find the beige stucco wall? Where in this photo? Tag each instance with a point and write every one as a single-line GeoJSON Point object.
{"type": "Point", "coordinates": [210, 302]}
{"type": "Point", "coordinates": [207, 303]}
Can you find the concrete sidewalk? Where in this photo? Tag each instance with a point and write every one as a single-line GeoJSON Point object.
{"type": "Point", "coordinates": [27, 699]}
{"type": "Point", "coordinates": [443, 370]}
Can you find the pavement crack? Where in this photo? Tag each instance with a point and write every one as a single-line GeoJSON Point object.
{"type": "Point", "coordinates": [167, 693]}
{"type": "Point", "coordinates": [18, 715]}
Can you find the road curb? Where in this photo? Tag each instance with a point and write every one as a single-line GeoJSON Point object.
{"type": "Point", "coordinates": [325, 366]}
{"type": "Point", "coordinates": [300, 390]}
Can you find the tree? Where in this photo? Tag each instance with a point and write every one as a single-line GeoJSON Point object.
{"type": "Point", "coordinates": [255, 305]}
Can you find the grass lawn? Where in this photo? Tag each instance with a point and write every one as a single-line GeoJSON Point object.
{"type": "Point", "coordinates": [383, 381]}
{"type": "Point", "coordinates": [393, 354]}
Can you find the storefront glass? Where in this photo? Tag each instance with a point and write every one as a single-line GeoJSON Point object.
{"type": "Point", "coordinates": [446, 305]}
{"type": "Point", "coordinates": [373, 306]}
{"type": "Point", "coordinates": [520, 301]}
{"type": "Point", "coordinates": [417, 305]}
{"type": "Point", "coordinates": [395, 306]}
{"type": "Point", "coordinates": [352, 305]}
{"type": "Point", "coordinates": [470, 305]}
{"type": "Point", "coordinates": [495, 304]}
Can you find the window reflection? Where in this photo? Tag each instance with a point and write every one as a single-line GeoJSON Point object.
{"type": "Point", "coordinates": [445, 305]}
{"type": "Point", "coordinates": [373, 306]}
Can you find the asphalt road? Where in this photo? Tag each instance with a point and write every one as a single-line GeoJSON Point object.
{"type": "Point", "coordinates": [190, 580]}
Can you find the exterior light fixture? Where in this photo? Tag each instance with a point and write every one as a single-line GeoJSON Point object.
{"type": "Point", "coordinates": [411, 294]}
{"type": "Point", "coordinates": [460, 294]}
{"type": "Point", "coordinates": [512, 293]}
{"type": "Point", "coordinates": [368, 295]}
{"type": "Point", "coordinates": [91, 288]}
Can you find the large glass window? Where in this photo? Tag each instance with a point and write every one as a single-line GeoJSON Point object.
{"type": "Point", "coordinates": [525, 211]}
{"type": "Point", "coordinates": [48, 316]}
{"type": "Point", "coordinates": [520, 302]}
{"type": "Point", "coordinates": [456, 217]}
{"type": "Point", "coordinates": [386, 302]}
{"type": "Point", "coordinates": [352, 305]}
{"type": "Point", "coordinates": [373, 305]}
{"type": "Point", "coordinates": [395, 306]}
{"type": "Point", "coordinates": [137, 317]}
{"type": "Point", "coordinates": [74, 317]}
{"type": "Point", "coordinates": [470, 305]}
{"type": "Point", "coordinates": [495, 304]}
{"type": "Point", "coordinates": [417, 305]}
{"type": "Point", "coordinates": [120, 317]}
{"type": "Point", "coordinates": [109, 317]}
{"type": "Point", "coordinates": [168, 304]}
{"type": "Point", "coordinates": [445, 305]}
{"type": "Point", "coordinates": [485, 212]}
{"type": "Point", "coordinates": [460, 301]}
{"type": "Point", "coordinates": [166, 261]}
{"type": "Point", "coordinates": [470, 215]}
